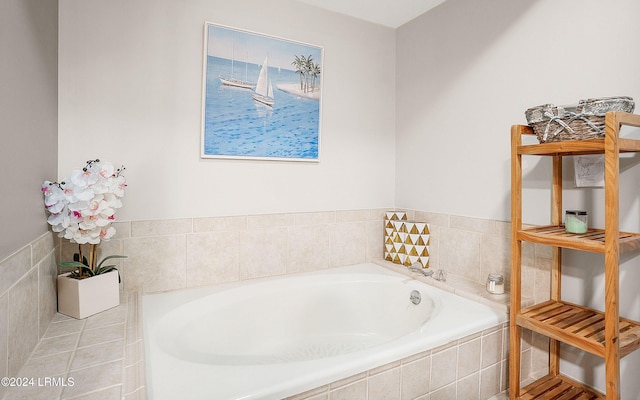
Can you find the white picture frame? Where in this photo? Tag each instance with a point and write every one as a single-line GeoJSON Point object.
{"type": "Point", "coordinates": [261, 96]}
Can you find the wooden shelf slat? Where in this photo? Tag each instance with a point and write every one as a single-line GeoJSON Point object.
{"type": "Point", "coordinates": [581, 147]}
{"type": "Point", "coordinates": [577, 147]}
{"type": "Point", "coordinates": [566, 148]}
{"type": "Point", "coordinates": [628, 119]}
{"type": "Point", "coordinates": [578, 326]}
{"type": "Point", "coordinates": [558, 387]}
{"type": "Point", "coordinates": [592, 240]}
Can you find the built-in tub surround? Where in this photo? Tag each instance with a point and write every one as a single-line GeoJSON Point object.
{"type": "Point", "coordinates": [192, 252]}
{"type": "Point", "coordinates": [410, 375]}
{"type": "Point", "coordinates": [173, 254]}
{"type": "Point", "coordinates": [268, 339]}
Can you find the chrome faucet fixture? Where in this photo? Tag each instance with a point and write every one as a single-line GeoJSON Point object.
{"type": "Point", "coordinates": [440, 275]}
{"type": "Point", "coordinates": [417, 267]}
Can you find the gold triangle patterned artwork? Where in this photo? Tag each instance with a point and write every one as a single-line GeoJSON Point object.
{"type": "Point", "coordinates": [406, 242]}
{"type": "Point", "coordinates": [400, 226]}
{"type": "Point", "coordinates": [390, 233]}
{"type": "Point", "coordinates": [395, 216]}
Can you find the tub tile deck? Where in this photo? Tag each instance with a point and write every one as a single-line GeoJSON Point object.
{"type": "Point", "coordinates": [460, 286]}
{"type": "Point", "coordinates": [99, 357]}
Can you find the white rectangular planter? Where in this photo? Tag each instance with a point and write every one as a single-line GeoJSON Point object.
{"type": "Point", "coordinates": [81, 298]}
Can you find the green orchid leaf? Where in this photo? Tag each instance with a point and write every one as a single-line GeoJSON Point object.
{"type": "Point", "coordinates": [72, 264]}
{"type": "Point", "coordinates": [84, 269]}
{"type": "Point", "coordinates": [108, 268]}
{"type": "Point", "coordinates": [76, 257]}
{"type": "Point", "coordinates": [88, 270]}
{"type": "Point", "coordinates": [109, 258]}
{"type": "Point", "coordinates": [105, 269]}
{"type": "Point", "coordinates": [76, 273]}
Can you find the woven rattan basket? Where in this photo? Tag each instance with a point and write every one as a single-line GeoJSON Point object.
{"type": "Point", "coordinates": [578, 122]}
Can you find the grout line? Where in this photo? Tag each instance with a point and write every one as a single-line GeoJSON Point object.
{"type": "Point", "coordinates": [73, 355]}
{"type": "Point", "coordinates": [94, 391]}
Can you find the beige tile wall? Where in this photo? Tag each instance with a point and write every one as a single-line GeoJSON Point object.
{"type": "Point", "coordinates": [27, 302]}
{"type": "Point", "coordinates": [472, 368]}
{"type": "Point", "coordinates": [469, 247]}
{"type": "Point", "coordinates": [175, 254]}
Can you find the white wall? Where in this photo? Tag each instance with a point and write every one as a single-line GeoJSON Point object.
{"type": "Point", "coordinates": [130, 92]}
{"type": "Point", "coordinates": [28, 115]}
{"type": "Point", "coordinates": [28, 154]}
{"type": "Point", "coordinates": [466, 71]}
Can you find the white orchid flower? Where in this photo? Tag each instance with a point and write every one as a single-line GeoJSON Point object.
{"type": "Point", "coordinates": [87, 224]}
{"type": "Point", "coordinates": [56, 207]}
{"type": "Point", "coordinates": [53, 196]}
{"type": "Point", "coordinates": [118, 184]}
{"type": "Point", "coordinates": [107, 233]}
{"type": "Point", "coordinates": [59, 221]}
{"type": "Point", "coordinates": [106, 170]}
{"type": "Point", "coordinates": [82, 207]}
{"type": "Point", "coordinates": [70, 232]}
{"type": "Point", "coordinates": [103, 222]}
{"type": "Point", "coordinates": [75, 193]}
{"type": "Point", "coordinates": [79, 207]}
{"type": "Point", "coordinates": [86, 176]}
{"type": "Point", "coordinates": [112, 200]}
{"type": "Point", "coordinates": [90, 236]}
{"type": "Point", "coordinates": [96, 206]}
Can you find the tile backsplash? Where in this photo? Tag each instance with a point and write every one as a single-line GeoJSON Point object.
{"type": "Point", "coordinates": [174, 254]}
{"type": "Point", "coordinates": [180, 253]}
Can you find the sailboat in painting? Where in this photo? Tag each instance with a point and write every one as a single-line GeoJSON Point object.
{"type": "Point", "coordinates": [264, 90]}
{"type": "Point", "coordinates": [236, 83]}
{"type": "Point", "coordinates": [232, 81]}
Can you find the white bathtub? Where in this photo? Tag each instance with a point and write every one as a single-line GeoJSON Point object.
{"type": "Point", "coordinates": [276, 337]}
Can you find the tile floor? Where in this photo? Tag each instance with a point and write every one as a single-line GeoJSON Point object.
{"type": "Point", "coordinates": [97, 358]}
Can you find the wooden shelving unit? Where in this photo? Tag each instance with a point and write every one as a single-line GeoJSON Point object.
{"type": "Point", "coordinates": [604, 334]}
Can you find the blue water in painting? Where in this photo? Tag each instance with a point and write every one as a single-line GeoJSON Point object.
{"type": "Point", "coordinates": [237, 125]}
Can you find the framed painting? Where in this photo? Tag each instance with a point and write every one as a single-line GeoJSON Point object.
{"type": "Point", "coordinates": [261, 96]}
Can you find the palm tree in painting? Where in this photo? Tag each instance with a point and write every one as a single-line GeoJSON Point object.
{"type": "Point", "coordinates": [308, 72]}
{"type": "Point", "coordinates": [314, 71]}
{"type": "Point", "coordinates": [299, 62]}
